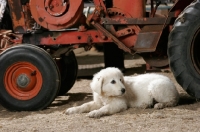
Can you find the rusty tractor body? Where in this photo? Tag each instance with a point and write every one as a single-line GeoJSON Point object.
{"type": "Point", "coordinates": [37, 62]}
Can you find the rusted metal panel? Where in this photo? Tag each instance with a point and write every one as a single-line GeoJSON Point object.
{"type": "Point", "coordinates": [148, 38]}
{"type": "Point", "coordinates": [147, 42]}
{"type": "Point", "coordinates": [17, 16]}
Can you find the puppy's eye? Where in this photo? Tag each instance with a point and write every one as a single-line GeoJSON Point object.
{"type": "Point", "coordinates": [113, 81]}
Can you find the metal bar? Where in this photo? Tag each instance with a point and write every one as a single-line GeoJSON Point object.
{"type": "Point", "coordinates": [66, 38]}
{"type": "Point", "coordinates": [138, 21]}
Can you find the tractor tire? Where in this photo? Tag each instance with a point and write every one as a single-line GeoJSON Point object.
{"type": "Point", "coordinates": [183, 49]}
{"type": "Point", "coordinates": [29, 78]}
{"type": "Point", "coordinates": [68, 67]}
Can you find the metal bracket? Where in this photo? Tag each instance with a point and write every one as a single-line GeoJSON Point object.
{"type": "Point", "coordinates": [108, 34]}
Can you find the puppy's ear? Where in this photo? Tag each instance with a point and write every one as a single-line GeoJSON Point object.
{"type": "Point", "coordinates": [96, 84]}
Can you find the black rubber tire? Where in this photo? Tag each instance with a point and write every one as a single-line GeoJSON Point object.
{"type": "Point", "coordinates": [183, 49]}
{"type": "Point", "coordinates": [68, 69]}
{"type": "Point", "coordinates": [49, 72]}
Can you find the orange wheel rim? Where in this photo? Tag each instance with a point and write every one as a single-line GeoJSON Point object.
{"type": "Point", "coordinates": [23, 80]}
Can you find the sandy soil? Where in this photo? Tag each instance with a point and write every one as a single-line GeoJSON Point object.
{"type": "Point", "coordinates": [184, 118]}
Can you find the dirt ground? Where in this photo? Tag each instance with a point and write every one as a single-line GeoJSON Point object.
{"type": "Point", "coordinates": [183, 118]}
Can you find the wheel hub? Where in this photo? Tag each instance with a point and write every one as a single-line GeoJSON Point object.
{"type": "Point", "coordinates": [23, 81]}
{"type": "Point", "coordinates": [56, 7]}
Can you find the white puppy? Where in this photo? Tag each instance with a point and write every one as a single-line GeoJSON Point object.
{"type": "Point", "coordinates": [113, 93]}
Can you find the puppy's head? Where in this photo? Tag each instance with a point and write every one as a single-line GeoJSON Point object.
{"type": "Point", "coordinates": [108, 82]}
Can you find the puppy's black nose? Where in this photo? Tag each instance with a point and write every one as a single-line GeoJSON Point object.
{"type": "Point", "coordinates": [123, 90]}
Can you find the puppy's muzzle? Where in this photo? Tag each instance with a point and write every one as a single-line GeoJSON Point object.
{"type": "Point", "coordinates": [123, 90]}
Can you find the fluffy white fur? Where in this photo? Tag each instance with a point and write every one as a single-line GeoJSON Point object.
{"type": "Point", "coordinates": [113, 93]}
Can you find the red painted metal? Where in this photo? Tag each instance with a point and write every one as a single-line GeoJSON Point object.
{"type": "Point", "coordinates": [56, 7]}
{"type": "Point", "coordinates": [32, 74]}
{"type": "Point", "coordinates": [135, 8]}
{"type": "Point", "coordinates": [124, 22]}
{"type": "Point", "coordinates": [100, 3]}
{"type": "Point", "coordinates": [124, 32]}
{"type": "Point", "coordinates": [17, 16]}
{"type": "Point", "coordinates": [59, 14]}
{"type": "Point", "coordinates": [128, 9]}
{"type": "Point", "coordinates": [67, 38]}
{"type": "Point", "coordinates": [117, 13]}
{"type": "Point", "coordinates": [74, 38]}
{"type": "Point", "coordinates": [117, 41]}
{"type": "Point", "coordinates": [46, 12]}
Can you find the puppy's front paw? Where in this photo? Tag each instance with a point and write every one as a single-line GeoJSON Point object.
{"type": "Point", "coordinates": [94, 114]}
{"type": "Point", "coordinates": [72, 110]}
{"type": "Point", "coordinates": [158, 106]}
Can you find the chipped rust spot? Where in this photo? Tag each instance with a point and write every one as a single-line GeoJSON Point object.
{"type": "Point", "coordinates": [40, 19]}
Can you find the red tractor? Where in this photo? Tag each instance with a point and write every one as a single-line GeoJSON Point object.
{"type": "Point", "coordinates": [38, 38]}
